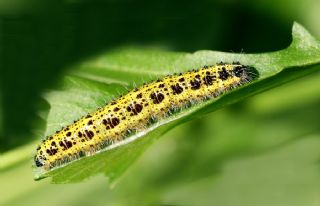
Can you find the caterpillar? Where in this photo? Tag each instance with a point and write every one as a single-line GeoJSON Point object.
{"type": "Point", "coordinates": [138, 110]}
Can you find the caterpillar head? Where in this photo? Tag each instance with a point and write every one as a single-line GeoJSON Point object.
{"type": "Point", "coordinates": [245, 73]}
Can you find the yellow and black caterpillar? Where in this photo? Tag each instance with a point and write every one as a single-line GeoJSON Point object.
{"type": "Point", "coordinates": [137, 110]}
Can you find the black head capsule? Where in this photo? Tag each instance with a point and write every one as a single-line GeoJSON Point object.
{"type": "Point", "coordinates": [238, 71]}
{"type": "Point", "coordinates": [246, 73]}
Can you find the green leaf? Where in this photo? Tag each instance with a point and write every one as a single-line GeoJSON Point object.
{"type": "Point", "coordinates": [92, 83]}
{"type": "Point", "coordinates": [1, 116]}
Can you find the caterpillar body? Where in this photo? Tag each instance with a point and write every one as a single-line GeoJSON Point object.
{"type": "Point", "coordinates": [137, 110]}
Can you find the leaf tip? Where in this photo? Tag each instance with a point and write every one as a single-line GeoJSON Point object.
{"type": "Point", "coordinates": [302, 38]}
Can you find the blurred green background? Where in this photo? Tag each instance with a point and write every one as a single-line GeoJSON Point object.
{"type": "Point", "coordinates": [266, 153]}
